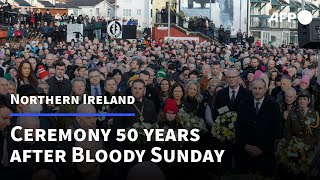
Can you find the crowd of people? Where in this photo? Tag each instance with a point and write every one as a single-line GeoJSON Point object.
{"type": "Point", "coordinates": [273, 90]}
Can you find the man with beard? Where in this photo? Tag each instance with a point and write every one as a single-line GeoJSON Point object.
{"type": "Point", "coordinates": [143, 108]}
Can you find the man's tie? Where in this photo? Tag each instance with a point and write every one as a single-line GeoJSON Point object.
{"type": "Point", "coordinates": [257, 107]}
{"type": "Point", "coordinates": [96, 91]}
{"type": "Point", "coordinates": [233, 97]}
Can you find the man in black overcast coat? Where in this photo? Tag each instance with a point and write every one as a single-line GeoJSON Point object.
{"type": "Point", "coordinates": [257, 127]}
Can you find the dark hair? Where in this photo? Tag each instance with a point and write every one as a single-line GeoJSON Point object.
{"type": "Point", "coordinates": [138, 81]}
{"type": "Point", "coordinates": [215, 63]}
{"type": "Point", "coordinates": [286, 77]}
{"type": "Point", "coordinates": [109, 79]}
{"type": "Point", "coordinates": [163, 119]}
{"type": "Point", "coordinates": [194, 72]}
{"type": "Point", "coordinates": [175, 85]}
{"type": "Point", "coordinates": [92, 70]}
{"type": "Point", "coordinates": [161, 93]}
{"type": "Point", "coordinates": [5, 102]}
{"type": "Point", "coordinates": [60, 63]}
{"type": "Point", "coordinates": [32, 78]}
{"type": "Point", "coordinates": [253, 57]}
{"type": "Point", "coordinates": [145, 72]}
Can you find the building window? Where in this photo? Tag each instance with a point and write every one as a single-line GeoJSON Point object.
{"type": "Point", "coordinates": [127, 12]}
{"type": "Point", "coordinates": [32, 2]}
{"type": "Point", "coordinates": [76, 12]}
{"type": "Point", "coordinates": [138, 12]}
{"type": "Point", "coordinates": [97, 11]}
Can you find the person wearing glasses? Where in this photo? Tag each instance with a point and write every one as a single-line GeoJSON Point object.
{"type": "Point", "coordinates": [232, 95]}
{"type": "Point", "coordinates": [95, 86]}
{"type": "Point", "coordinates": [229, 99]}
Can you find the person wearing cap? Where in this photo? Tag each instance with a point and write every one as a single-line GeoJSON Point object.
{"type": "Point", "coordinates": [161, 74]}
{"type": "Point", "coordinates": [172, 74]}
{"type": "Point", "coordinates": [169, 117]}
{"type": "Point", "coordinates": [42, 73]}
{"type": "Point", "coordinates": [303, 121]}
{"type": "Point", "coordinates": [304, 82]}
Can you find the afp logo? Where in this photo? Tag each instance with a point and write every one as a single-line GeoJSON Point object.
{"type": "Point", "coordinates": [304, 17]}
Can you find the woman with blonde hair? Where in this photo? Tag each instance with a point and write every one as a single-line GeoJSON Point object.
{"type": "Point", "coordinates": [45, 86]}
{"type": "Point", "coordinates": [194, 98]}
{"type": "Point", "coordinates": [214, 86]}
{"type": "Point", "coordinates": [209, 94]}
{"type": "Point", "coordinates": [12, 88]}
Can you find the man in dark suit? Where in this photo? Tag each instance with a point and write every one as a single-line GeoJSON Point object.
{"type": "Point", "coordinates": [232, 95]}
{"type": "Point", "coordinates": [95, 86]}
{"type": "Point", "coordinates": [257, 127]}
{"type": "Point", "coordinates": [58, 85]}
{"type": "Point", "coordinates": [228, 99]}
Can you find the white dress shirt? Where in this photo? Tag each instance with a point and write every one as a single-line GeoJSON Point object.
{"type": "Point", "coordinates": [260, 103]}
{"type": "Point", "coordinates": [236, 92]}
{"type": "Point", "coordinates": [59, 79]}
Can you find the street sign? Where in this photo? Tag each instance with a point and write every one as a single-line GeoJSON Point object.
{"type": "Point", "coordinates": [114, 29]}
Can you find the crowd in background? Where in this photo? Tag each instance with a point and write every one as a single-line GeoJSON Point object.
{"type": "Point", "coordinates": [274, 90]}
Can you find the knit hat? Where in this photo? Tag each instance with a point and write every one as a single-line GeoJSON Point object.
{"type": "Point", "coordinates": [305, 79]}
{"type": "Point", "coordinates": [257, 74]}
{"type": "Point", "coordinates": [135, 77]}
{"type": "Point", "coordinates": [7, 76]}
{"type": "Point", "coordinates": [304, 93]}
{"type": "Point", "coordinates": [171, 105]}
{"type": "Point", "coordinates": [161, 73]}
{"type": "Point", "coordinates": [42, 73]}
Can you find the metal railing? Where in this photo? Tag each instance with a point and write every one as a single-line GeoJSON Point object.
{"type": "Point", "coordinates": [211, 33]}
{"type": "Point", "coordinates": [262, 22]}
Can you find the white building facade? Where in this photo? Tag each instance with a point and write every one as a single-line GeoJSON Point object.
{"type": "Point", "coordinates": [282, 32]}
{"type": "Point", "coordinates": [140, 10]}
{"type": "Point", "coordinates": [104, 8]}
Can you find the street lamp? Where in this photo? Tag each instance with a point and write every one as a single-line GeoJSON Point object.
{"type": "Point", "coordinates": [169, 18]}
